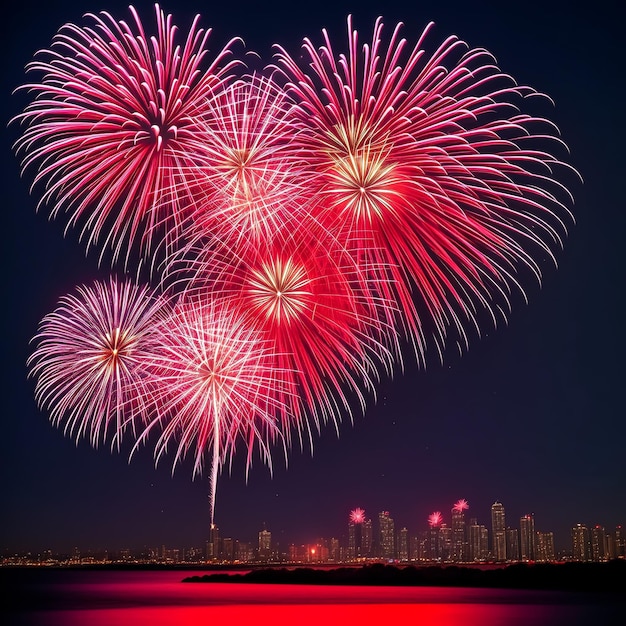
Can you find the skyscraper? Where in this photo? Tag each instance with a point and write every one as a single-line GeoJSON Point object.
{"type": "Point", "coordinates": [545, 547]}
{"type": "Point", "coordinates": [386, 536]}
{"type": "Point", "coordinates": [498, 532]}
{"type": "Point", "coordinates": [581, 545]}
{"type": "Point", "coordinates": [367, 538]}
{"type": "Point", "coordinates": [598, 543]}
{"type": "Point", "coordinates": [403, 545]}
{"type": "Point", "coordinates": [265, 544]}
{"type": "Point", "coordinates": [213, 544]}
{"type": "Point", "coordinates": [527, 537]}
{"type": "Point", "coordinates": [359, 542]}
{"type": "Point", "coordinates": [354, 540]}
{"type": "Point", "coordinates": [474, 551]}
{"type": "Point", "coordinates": [459, 538]}
{"type": "Point", "coordinates": [512, 544]}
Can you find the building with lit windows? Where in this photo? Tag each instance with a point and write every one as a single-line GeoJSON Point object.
{"type": "Point", "coordinates": [403, 544]}
{"type": "Point", "coordinates": [386, 537]}
{"type": "Point", "coordinates": [265, 545]}
{"type": "Point", "coordinates": [527, 537]}
{"type": "Point", "coordinates": [545, 552]}
{"type": "Point", "coordinates": [498, 532]}
{"type": "Point", "coordinates": [598, 543]}
{"type": "Point", "coordinates": [581, 543]}
{"type": "Point", "coordinates": [512, 544]}
{"type": "Point", "coordinates": [459, 534]}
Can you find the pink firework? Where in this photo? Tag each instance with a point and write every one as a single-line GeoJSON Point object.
{"type": "Point", "coordinates": [91, 358]}
{"type": "Point", "coordinates": [357, 516]}
{"type": "Point", "coordinates": [297, 296]}
{"type": "Point", "coordinates": [216, 384]}
{"type": "Point", "coordinates": [427, 172]}
{"type": "Point", "coordinates": [460, 506]}
{"type": "Point", "coordinates": [435, 519]}
{"type": "Point", "coordinates": [112, 127]}
{"type": "Point", "coordinates": [247, 159]}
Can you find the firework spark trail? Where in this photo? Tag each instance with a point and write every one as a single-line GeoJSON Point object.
{"type": "Point", "coordinates": [112, 124]}
{"type": "Point", "coordinates": [425, 169]}
{"type": "Point", "coordinates": [218, 384]}
{"type": "Point", "coordinates": [91, 357]}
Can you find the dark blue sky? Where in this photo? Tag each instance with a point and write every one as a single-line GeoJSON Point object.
{"type": "Point", "coordinates": [532, 415]}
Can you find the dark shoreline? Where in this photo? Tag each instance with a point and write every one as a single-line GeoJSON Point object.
{"type": "Point", "coordinates": [595, 577]}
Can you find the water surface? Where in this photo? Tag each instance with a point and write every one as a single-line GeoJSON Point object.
{"type": "Point", "coordinates": [159, 598]}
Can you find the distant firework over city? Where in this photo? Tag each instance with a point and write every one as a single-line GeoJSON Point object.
{"type": "Point", "coordinates": [357, 516]}
{"type": "Point", "coordinates": [302, 224]}
{"type": "Point", "coordinates": [435, 519]}
{"type": "Point", "coordinates": [460, 506]}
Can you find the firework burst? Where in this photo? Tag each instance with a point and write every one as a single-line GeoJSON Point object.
{"type": "Point", "coordinates": [435, 519]}
{"type": "Point", "coordinates": [113, 123]}
{"type": "Point", "coordinates": [216, 382]}
{"type": "Point", "coordinates": [460, 506]}
{"type": "Point", "coordinates": [425, 169]}
{"type": "Point", "coordinates": [295, 292]}
{"type": "Point", "coordinates": [91, 358]}
{"type": "Point", "coordinates": [357, 516]}
{"type": "Point", "coordinates": [247, 158]}
{"type": "Point", "coordinates": [306, 225]}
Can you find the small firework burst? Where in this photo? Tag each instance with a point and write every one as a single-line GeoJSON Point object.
{"type": "Point", "coordinates": [357, 516]}
{"type": "Point", "coordinates": [435, 519]}
{"type": "Point", "coordinates": [91, 359]}
{"type": "Point", "coordinates": [216, 384]}
{"type": "Point", "coordinates": [460, 506]}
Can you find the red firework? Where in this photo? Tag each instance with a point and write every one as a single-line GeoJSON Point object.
{"type": "Point", "coordinates": [91, 358]}
{"type": "Point", "coordinates": [216, 383]}
{"type": "Point", "coordinates": [357, 516]}
{"type": "Point", "coordinates": [252, 177]}
{"type": "Point", "coordinates": [426, 171]}
{"type": "Point", "coordinates": [113, 123]}
{"type": "Point", "coordinates": [460, 506]}
{"type": "Point", "coordinates": [295, 292]}
{"type": "Point", "coordinates": [435, 519]}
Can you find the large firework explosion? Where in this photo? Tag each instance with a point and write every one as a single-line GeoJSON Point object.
{"type": "Point", "coordinates": [425, 169]}
{"type": "Point", "coordinates": [112, 126]}
{"type": "Point", "coordinates": [311, 218]}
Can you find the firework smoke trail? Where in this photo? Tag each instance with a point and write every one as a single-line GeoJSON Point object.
{"type": "Point", "coordinates": [296, 294]}
{"type": "Point", "coordinates": [217, 383]}
{"type": "Point", "coordinates": [425, 169]}
{"type": "Point", "coordinates": [91, 357]}
{"type": "Point", "coordinates": [112, 124]}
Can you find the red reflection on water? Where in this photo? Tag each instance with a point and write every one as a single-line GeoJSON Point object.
{"type": "Point", "coordinates": [160, 599]}
{"type": "Point", "coordinates": [311, 614]}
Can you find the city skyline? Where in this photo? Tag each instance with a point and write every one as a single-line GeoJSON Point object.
{"type": "Point", "coordinates": [466, 533]}
{"type": "Point", "coordinates": [531, 414]}
{"type": "Point", "coordinates": [464, 541]}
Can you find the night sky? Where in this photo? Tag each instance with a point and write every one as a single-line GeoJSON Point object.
{"type": "Point", "coordinates": [532, 415]}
